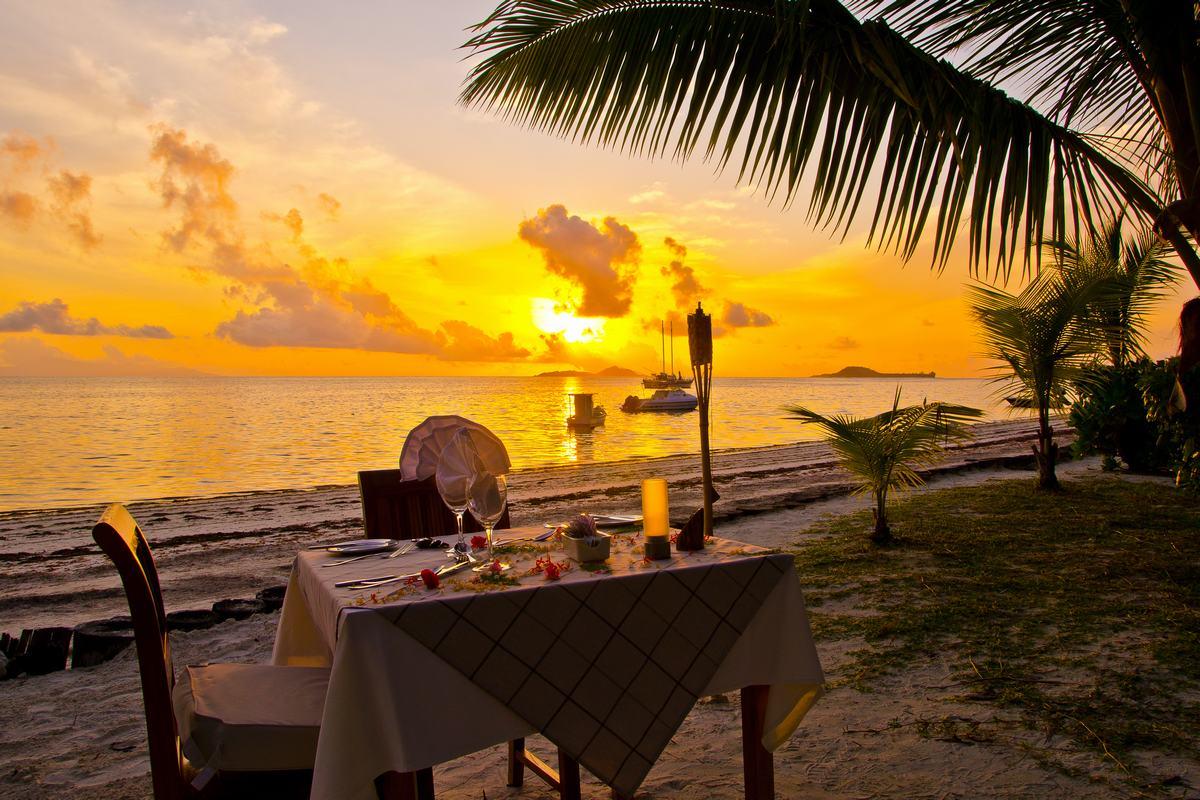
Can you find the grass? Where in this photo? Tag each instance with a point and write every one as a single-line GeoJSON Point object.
{"type": "Point", "coordinates": [1075, 614]}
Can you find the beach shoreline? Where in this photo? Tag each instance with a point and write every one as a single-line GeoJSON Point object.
{"type": "Point", "coordinates": [233, 545]}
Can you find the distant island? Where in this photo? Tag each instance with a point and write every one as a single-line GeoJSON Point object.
{"type": "Point", "coordinates": [866, 372]}
{"type": "Point", "coordinates": [607, 372]}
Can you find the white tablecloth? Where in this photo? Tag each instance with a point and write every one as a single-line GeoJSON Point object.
{"type": "Point", "coordinates": [394, 704]}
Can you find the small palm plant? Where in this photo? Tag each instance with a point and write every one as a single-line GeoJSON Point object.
{"type": "Point", "coordinates": [1042, 339]}
{"type": "Point", "coordinates": [1138, 275]}
{"type": "Point", "coordinates": [885, 451]}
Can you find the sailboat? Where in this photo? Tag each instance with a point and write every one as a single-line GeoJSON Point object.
{"type": "Point", "coordinates": [664, 379]}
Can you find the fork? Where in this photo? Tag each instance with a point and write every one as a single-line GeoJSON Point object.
{"type": "Point", "coordinates": [399, 551]}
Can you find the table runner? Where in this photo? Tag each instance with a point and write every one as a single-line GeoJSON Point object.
{"type": "Point", "coordinates": [606, 665]}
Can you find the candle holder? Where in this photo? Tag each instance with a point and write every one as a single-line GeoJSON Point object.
{"type": "Point", "coordinates": [656, 523]}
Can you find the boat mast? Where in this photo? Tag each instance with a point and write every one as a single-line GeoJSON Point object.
{"type": "Point", "coordinates": [663, 331]}
{"type": "Point", "coordinates": [672, 348]}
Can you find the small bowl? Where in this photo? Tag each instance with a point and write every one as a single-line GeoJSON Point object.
{"type": "Point", "coordinates": [581, 551]}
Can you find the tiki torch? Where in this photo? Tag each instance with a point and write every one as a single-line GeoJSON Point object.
{"type": "Point", "coordinates": [700, 343]}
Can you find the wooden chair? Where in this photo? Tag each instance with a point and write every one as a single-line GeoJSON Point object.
{"type": "Point", "coordinates": [249, 730]}
{"type": "Point", "coordinates": [399, 509]}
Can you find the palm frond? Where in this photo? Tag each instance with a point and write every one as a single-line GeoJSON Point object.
{"type": "Point", "coordinates": [786, 89]}
{"type": "Point", "coordinates": [1131, 278]}
{"type": "Point", "coordinates": [886, 450]}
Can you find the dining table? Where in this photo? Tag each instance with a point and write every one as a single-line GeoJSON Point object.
{"type": "Point", "coordinates": [605, 660]}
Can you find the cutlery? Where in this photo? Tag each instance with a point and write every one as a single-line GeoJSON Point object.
{"type": "Point", "coordinates": [397, 552]}
{"type": "Point", "coordinates": [383, 580]}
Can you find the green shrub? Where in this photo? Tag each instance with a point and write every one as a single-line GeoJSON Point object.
{"type": "Point", "coordinates": [1126, 415]}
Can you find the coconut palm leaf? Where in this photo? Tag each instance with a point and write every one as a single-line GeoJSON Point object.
{"type": "Point", "coordinates": [789, 89]}
{"type": "Point", "coordinates": [1133, 276]}
{"type": "Point", "coordinates": [1040, 337]}
{"type": "Point", "coordinates": [886, 450]}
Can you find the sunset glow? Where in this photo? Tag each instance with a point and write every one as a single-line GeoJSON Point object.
{"type": "Point", "coordinates": [183, 190]}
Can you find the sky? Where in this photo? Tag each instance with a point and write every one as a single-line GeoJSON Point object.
{"type": "Point", "coordinates": [291, 188]}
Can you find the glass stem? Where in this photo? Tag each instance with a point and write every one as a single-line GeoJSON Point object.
{"type": "Point", "coordinates": [488, 530]}
{"type": "Point", "coordinates": [458, 515]}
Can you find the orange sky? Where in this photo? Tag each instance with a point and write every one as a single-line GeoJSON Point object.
{"type": "Point", "coordinates": [272, 188]}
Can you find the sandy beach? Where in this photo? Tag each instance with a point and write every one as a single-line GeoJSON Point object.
{"type": "Point", "coordinates": [82, 732]}
{"type": "Point", "coordinates": [233, 545]}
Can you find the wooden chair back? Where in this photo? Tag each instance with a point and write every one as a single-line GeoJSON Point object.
{"type": "Point", "coordinates": [398, 509]}
{"type": "Point", "coordinates": [122, 541]}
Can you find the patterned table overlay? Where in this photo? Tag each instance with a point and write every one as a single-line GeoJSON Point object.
{"type": "Point", "coordinates": [608, 668]}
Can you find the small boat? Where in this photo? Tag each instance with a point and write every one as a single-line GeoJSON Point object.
{"type": "Point", "coordinates": [587, 415]}
{"type": "Point", "coordinates": [675, 400]}
{"type": "Point", "coordinates": [664, 379]}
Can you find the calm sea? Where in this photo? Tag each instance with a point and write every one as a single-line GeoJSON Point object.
{"type": "Point", "coordinates": [71, 441]}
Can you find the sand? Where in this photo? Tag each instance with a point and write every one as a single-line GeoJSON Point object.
{"type": "Point", "coordinates": [81, 733]}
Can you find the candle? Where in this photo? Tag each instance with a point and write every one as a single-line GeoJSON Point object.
{"type": "Point", "coordinates": [656, 525]}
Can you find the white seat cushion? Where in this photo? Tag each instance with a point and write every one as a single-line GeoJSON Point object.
{"type": "Point", "coordinates": [250, 717]}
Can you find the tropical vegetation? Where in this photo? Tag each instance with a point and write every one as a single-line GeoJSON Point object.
{"type": "Point", "coordinates": [1041, 340]}
{"type": "Point", "coordinates": [897, 104]}
{"type": "Point", "coordinates": [885, 451]}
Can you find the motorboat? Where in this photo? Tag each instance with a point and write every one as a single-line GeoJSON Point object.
{"type": "Point", "coordinates": [663, 400]}
{"type": "Point", "coordinates": [664, 379]}
{"type": "Point", "coordinates": [587, 415]}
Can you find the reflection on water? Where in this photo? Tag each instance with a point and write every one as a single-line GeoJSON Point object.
{"type": "Point", "coordinates": [88, 440]}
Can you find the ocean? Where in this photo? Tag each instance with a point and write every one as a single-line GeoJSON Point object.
{"type": "Point", "coordinates": [83, 441]}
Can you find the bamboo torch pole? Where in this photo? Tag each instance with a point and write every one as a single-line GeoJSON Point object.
{"type": "Point", "coordinates": [701, 347]}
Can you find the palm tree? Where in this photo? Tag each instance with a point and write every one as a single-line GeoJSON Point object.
{"type": "Point", "coordinates": [1136, 274]}
{"type": "Point", "coordinates": [1043, 340]}
{"type": "Point", "coordinates": [785, 90]}
{"type": "Point", "coordinates": [885, 451]}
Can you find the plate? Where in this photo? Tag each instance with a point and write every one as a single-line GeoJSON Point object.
{"type": "Point", "coordinates": [363, 547]}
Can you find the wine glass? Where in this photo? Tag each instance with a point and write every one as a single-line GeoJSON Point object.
{"type": "Point", "coordinates": [487, 498]}
{"type": "Point", "coordinates": [457, 468]}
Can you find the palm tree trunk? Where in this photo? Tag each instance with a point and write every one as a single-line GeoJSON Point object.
{"type": "Point", "coordinates": [882, 534]}
{"type": "Point", "coordinates": [1046, 451]}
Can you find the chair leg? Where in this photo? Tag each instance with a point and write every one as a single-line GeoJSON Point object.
{"type": "Point", "coordinates": [757, 763]}
{"type": "Point", "coordinates": [516, 763]}
{"type": "Point", "coordinates": [405, 785]}
{"type": "Point", "coordinates": [568, 777]}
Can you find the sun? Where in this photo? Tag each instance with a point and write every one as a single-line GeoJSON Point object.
{"type": "Point", "coordinates": [549, 318]}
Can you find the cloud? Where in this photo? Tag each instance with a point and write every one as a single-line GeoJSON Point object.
{"type": "Point", "coordinates": [301, 317]}
{"type": "Point", "coordinates": [313, 304]}
{"type": "Point", "coordinates": [22, 150]}
{"type": "Point", "coordinates": [652, 193]}
{"type": "Point", "coordinates": [329, 204]}
{"type": "Point", "coordinates": [291, 220]}
{"type": "Point", "coordinates": [599, 261]}
{"type": "Point", "coordinates": [739, 315]}
{"type": "Point", "coordinates": [29, 357]}
{"type": "Point", "coordinates": [20, 207]}
{"type": "Point", "coordinates": [195, 180]}
{"type": "Point", "coordinates": [72, 193]}
{"type": "Point", "coordinates": [465, 342]}
{"type": "Point", "coordinates": [686, 288]}
{"type": "Point", "coordinates": [54, 317]}
{"type": "Point", "coordinates": [844, 343]}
